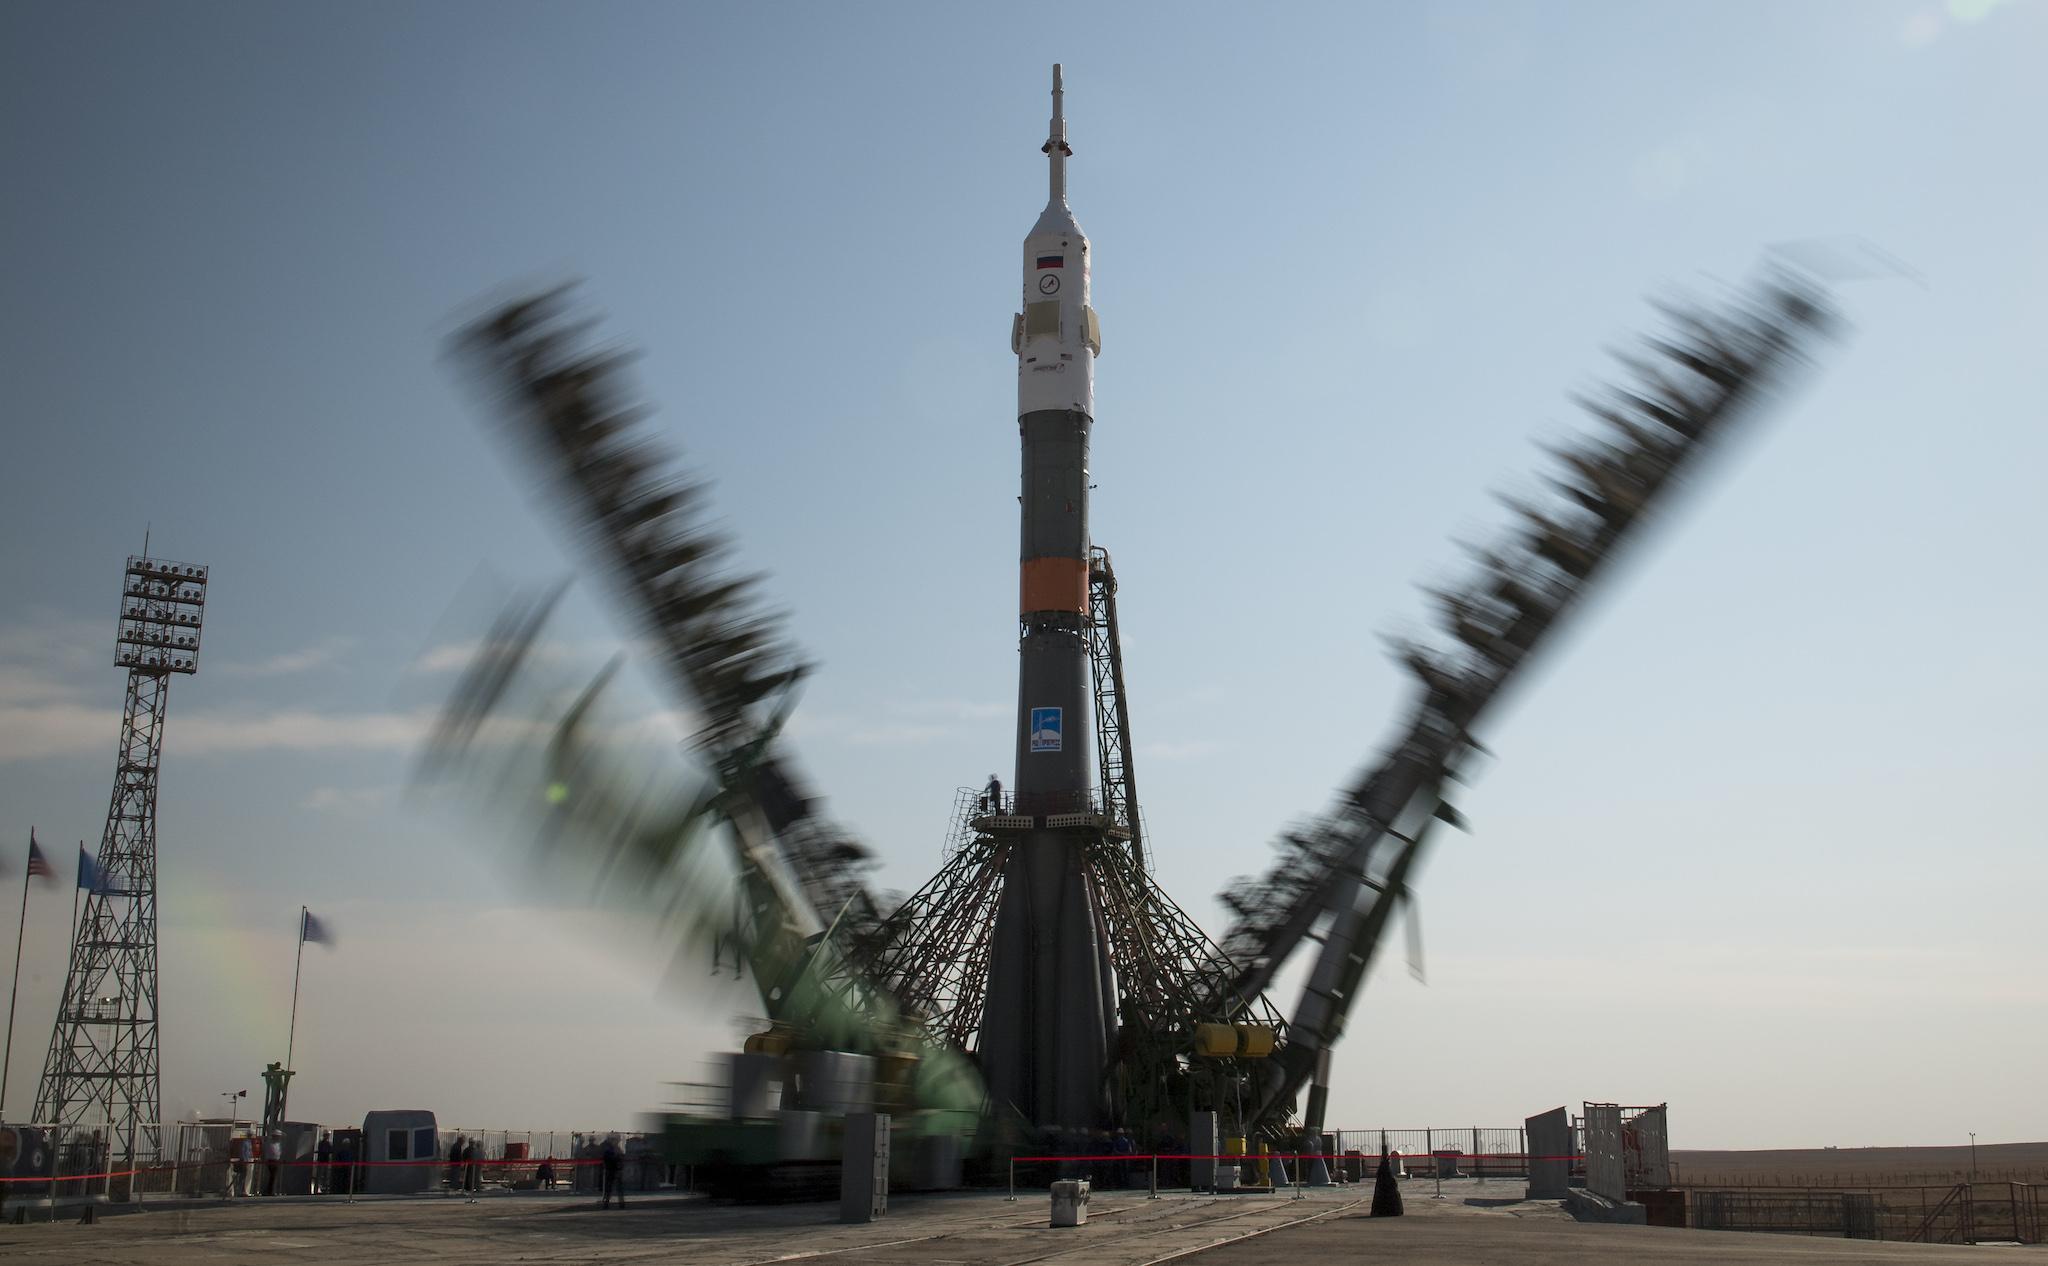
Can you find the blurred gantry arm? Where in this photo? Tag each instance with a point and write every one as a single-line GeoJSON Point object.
{"type": "Point", "coordinates": [570, 405]}
{"type": "Point", "coordinates": [1337, 879]}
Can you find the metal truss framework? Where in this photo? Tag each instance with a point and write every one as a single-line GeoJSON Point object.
{"type": "Point", "coordinates": [1170, 976]}
{"type": "Point", "coordinates": [103, 1067]}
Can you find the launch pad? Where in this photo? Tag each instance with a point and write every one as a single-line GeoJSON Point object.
{"type": "Point", "coordinates": [1476, 1221]}
{"type": "Point", "coordinates": [1042, 984]}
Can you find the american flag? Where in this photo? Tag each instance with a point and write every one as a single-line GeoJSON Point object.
{"type": "Point", "coordinates": [38, 865]}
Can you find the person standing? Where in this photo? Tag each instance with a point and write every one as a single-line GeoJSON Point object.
{"type": "Point", "coordinates": [244, 1152]}
{"type": "Point", "coordinates": [1123, 1147]}
{"type": "Point", "coordinates": [457, 1154]}
{"type": "Point", "coordinates": [614, 1158]}
{"type": "Point", "coordinates": [345, 1164]}
{"type": "Point", "coordinates": [473, 1171]}
{"type": "Point", "coordinates": [323, 1158]}
{"type": "Point", "coordinates": [273, 1157]}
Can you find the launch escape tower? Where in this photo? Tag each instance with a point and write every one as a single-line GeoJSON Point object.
{"type": "Point", "coordinates": [102, 1069]}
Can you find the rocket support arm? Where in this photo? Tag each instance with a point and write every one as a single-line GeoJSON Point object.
{"type": "Point", "coordinates": [573, 410]}
{"type": "Point", "coordinates": [1712, 372]}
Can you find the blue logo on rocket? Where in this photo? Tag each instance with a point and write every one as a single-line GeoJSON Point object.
{"type": "Point", "coordinates": [1046, 729]}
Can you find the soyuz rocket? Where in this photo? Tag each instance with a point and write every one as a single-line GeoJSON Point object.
{"type": "Point", "coordinates": [1050, 1016]}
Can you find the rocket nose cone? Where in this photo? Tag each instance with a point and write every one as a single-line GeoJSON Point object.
{"type": "Point", "coordinates": [1057, 220]}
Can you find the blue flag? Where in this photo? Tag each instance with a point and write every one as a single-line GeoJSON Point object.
{"type": "Point", "coordinates": [312, 929]}
{"type": "Point", "coordinates": [88, 871]}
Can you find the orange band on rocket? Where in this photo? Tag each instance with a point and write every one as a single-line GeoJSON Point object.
{"type": "Point", "coordinates": [1055, 584]}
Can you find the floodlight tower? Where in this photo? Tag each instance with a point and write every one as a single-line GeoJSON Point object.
{"type": "Point", "coordinates": [102, 1069]}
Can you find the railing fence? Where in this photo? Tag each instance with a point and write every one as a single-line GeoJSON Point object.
{"type": "Point", "coordinates": [1457, 1151]}
{"type": "Point", "coordinates": [43, 1163]}
{"type": "Point", "coordinates": [1961, 1213]}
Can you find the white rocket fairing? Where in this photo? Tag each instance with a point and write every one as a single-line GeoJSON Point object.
{"type": "Point", "coordinates": [1056, 336]}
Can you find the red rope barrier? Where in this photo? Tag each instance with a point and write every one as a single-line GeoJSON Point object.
{"type": "Point", "coordinates": [1461, 1157]}
{"type": "Point", "coordinates": [430, 1162]}
{"type": "Point", "coordinates": [1468, 1158]}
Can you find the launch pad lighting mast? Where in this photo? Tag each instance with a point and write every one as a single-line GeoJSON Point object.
{"type": "Point", "coordinates": [102, 1070]}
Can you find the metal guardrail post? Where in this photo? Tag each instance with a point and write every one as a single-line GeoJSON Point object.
{"type": "Point", "coordinates": [1012, 1197]}
{"type": "Point", "coordinates": [1155, 1177]}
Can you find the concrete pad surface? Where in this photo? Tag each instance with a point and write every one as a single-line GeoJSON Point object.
{"type": "Point", "coordinates": [1478, 1222]}
{"type": "Point", "coordinates": [1471, 1226]}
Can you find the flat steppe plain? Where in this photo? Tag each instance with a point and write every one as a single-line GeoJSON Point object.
{"type": "Point", "coordinates": [1863, 1166]}
{"type": "Point", "coordinates": [1479, 1221]}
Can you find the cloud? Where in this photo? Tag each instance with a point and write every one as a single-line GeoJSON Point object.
{"type": "Point", "coordinates": [56, 670]}
{"type": "Point", "coordinates": [1920, 29]}
{"type": "Point", "coordinates": [895, 734]}
{"type": "Point", "coordinates": [321, 654]}
{"type": "Point", "coordinates": [27, 686]}
{"type": "Point", "coordinates": [49, 649]}
{"type": "Point", "coordinates": [345, 799]}
{"type": "Point", "coordinates": [34, 731]}
{"type": "Point", "coordinates": [954, 709]}
{"type": "Point", "coordinates": [42, 731]}
{"type": "Point", "coordinates": [1193, 749]}
{"type": "Point", "coordinates": [449, 657]}
{"type": "Point", "coordinates": [1934, 21]}
{"type": "Point", "coordinates": [300, 730]}
{"type": "Point", "coordinates": [455, 657]}
{"type": "Point", "coordinates": [900, 723]}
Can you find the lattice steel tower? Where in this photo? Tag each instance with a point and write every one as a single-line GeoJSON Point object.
{"type": "Point", "coordinates": [102, 1069]}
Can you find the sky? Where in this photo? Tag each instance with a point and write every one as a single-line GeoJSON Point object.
{"type": "Point", "coordinates": [1760, 837]}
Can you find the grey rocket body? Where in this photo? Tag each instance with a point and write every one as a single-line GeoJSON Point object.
{"type": "Point", "coordinates": [1053, 667]}
{"type": "Point", "coordinates": [1050, 1015]}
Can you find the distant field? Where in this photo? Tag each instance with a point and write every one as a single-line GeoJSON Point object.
{"type": "Point", "coordinates": [1862, 1166]}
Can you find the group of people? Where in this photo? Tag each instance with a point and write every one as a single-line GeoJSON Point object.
{"type": "Point", "coordinates": [242, 1154]}
{"type": "Point", "coordinates": [465, 1168]}
{"type": "Point", "coordinates": [1112, 1157]}
{"type": "Point", "coordinates": [333, 1165]}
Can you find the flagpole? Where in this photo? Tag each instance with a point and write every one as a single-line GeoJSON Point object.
{"type": "Point", "coordinates": [99, 881]}
{"type": "Point", "coordinates": [7, 1062]}
{"type": "Point", "coordinates": [292, 1035]}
